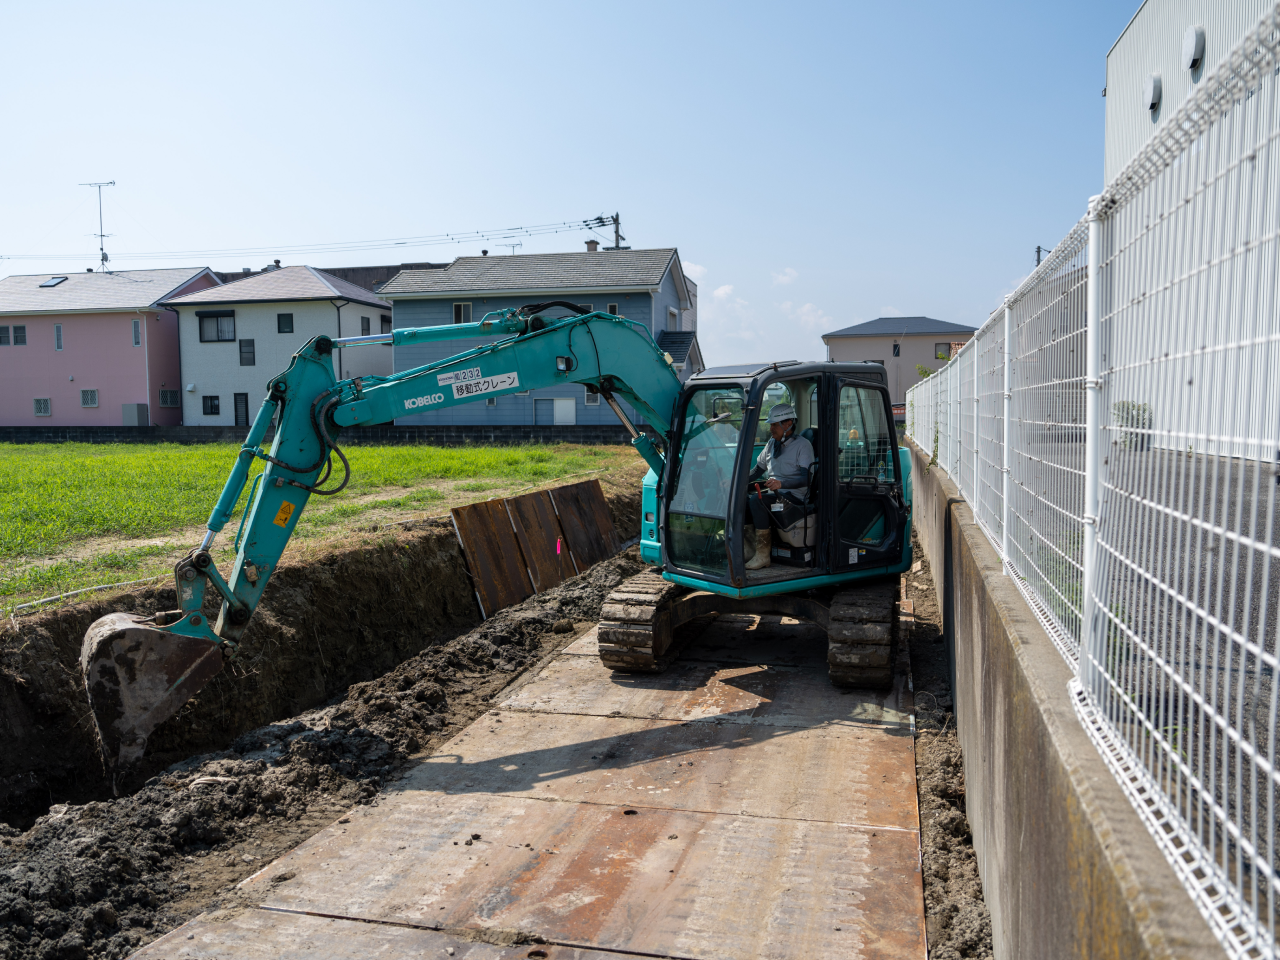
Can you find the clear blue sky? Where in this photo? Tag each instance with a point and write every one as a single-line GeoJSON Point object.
{"type": "Point", "coordinates": [816, 164]}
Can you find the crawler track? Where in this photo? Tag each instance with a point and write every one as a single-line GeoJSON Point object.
{"type": "Point", "coordinates": [640, 619]}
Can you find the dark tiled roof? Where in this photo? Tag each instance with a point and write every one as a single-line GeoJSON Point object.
{"type": "Point", "coordinates": [900, 327]}
{"type": "Point", "coordinates": [118, 290]}
{"type": "Point", "coordinates": [287, 283]}
{"type": "Point", "coordinates": [604, 269]}
{"type": "Point", "coordinates": [677, 343]}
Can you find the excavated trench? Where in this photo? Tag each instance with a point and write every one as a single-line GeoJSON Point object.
{"type": "Point", "coordinates": [346, 616]}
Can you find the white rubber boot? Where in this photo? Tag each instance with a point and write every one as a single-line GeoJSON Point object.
{"type": "Point", "coordinates": [764, 543]}
{"type": "Point", "coordinates": [748, 542]}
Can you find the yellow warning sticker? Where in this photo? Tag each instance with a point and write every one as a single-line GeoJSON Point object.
{"type": "Point", "coordinates": [283, 514]}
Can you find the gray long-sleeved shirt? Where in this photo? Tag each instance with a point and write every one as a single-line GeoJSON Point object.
{"type": "Point", "coordinates": [791, 466]}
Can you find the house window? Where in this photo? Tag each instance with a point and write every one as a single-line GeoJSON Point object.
{"type": "Point", "coordinates": [284, 323]}
{"type": "Point", "coordinates": [587, 307]}
{"type": "Point", "coordinates": [386, 323]}
{"type": "Point", "coordinates": [4, 336]}
{"type": "Point", "coordinates": [217, 326]}
{"type": "Point", "coordinates": [942, 351]}
{"type": "Point", "coordinates": [246, 353]}
{"type": "Point", "coordinates": [88, 398]}
{"type": "Point", "coordinates": [592, 399]}
{"type": "Point", "coordinates": [19, 336]}
{"type": "Point", "coordinates": [364, 327]}
{"type": "Point", "coordinates": [462, 313]}
{"type": "Point", "coordinates": [53, 281]}
{"type": "Point", "coordinates": [491, 401]}
{"type": "Point", "coordinates": [242, 409]}
{"type": "Point", "coordinates": [168, 398]}
{"type": "Point", "coordinates": [57, 336]}
{"type": "Point", "coordinates": [44, 407]}
{"type": "Point", "coordinates": [897, 349]}
{"type": "Point", "coordinates": [612, 308]}
{"type": "Point", "coordinates": [673, 319]}
{"type": "Point", "coordinates": [137, 333]}
{"type": "Point", "coordinates": [211, 406]}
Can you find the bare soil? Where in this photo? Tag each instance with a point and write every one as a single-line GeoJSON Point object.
{"type": "Point", "coordinates": [956, 917]}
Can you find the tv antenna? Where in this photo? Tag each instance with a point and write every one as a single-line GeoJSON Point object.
{"type": "Point", "coordinates": [100, 235]}
{"type": "Point", "coordinates": [513, 247]}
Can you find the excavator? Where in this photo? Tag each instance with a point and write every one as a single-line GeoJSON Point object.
{"type": "Point", "coordinates": [832, 554]}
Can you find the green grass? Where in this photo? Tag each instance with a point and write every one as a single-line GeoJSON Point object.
{"type": "Point", "coordinates": [59, 494]}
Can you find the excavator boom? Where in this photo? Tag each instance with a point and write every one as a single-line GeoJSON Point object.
{"type": "Point", "coordinates": [139, 671]}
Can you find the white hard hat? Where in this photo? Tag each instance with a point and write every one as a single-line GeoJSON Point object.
{"type": "Point", "coordinates": [781, 412]}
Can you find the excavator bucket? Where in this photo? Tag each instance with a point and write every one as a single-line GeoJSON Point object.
{"type": "Point", "coordinates": [137, 677]}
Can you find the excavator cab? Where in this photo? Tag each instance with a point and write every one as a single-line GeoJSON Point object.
{"type": "Point", "coordinates": [849, 522]}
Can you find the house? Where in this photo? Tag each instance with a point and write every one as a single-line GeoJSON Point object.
{"type": "Point", "coordinates": [234, 338]}
{"type": "Point", "coordinates": [1159, 60]}
{"type": "Point", "coordinates": [92, 348]}
{"type": "Point", "coordinates": [648, 286]}
{"type": "Point", "coordinates": [900, 343]}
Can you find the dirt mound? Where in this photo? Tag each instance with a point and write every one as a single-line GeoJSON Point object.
{"type": "Point", "coordinates": [99, 879]}
{"type": "Point", "coordinates": [956, 916]}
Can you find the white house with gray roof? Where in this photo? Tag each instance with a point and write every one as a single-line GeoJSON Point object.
{"type": "Point", "coordinates": [236, 337]}
{"type": "Point", "coordinates": [900, 343]}
{"type": "Point", "coordinates": [644, 285]}
{"type": "Point", "coordinates": [92, 349]}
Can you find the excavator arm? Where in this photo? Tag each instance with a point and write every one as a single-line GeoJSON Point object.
{"type": "Point", "coordinates": [140, 671]}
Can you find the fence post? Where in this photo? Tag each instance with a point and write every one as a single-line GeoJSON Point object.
{"type": "Point", "coordinates": [1004, 460]}
{"type": "Point", "coordinates": [1092, 443]}
{"type": "Point", "coordinates": [977, 437]}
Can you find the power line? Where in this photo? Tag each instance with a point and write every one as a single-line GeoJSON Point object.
{"type": "Point", "coordinates": [307, 249]}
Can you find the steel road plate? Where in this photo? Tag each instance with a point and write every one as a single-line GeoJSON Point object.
{"type": "Point", "coordinates": [662, 882]}
{"type": "Point", "coordinates": [273, 935]}
{"type": "Point", "coordinates": [839, 772]}
{"type": "Point", "coordinates": [781, 695]}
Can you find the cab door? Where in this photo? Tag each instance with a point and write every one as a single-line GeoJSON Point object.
{"type": "Point", "coordinates": [868, 489]}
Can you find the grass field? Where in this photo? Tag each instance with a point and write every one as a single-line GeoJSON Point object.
{"type": "Point", "coordinates": [75, 515]}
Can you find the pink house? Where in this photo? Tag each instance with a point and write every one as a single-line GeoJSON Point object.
{"type": "Point", "coordinates": [93, 349]}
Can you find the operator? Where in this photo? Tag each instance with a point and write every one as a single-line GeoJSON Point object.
{"type": "Point", "coordinates": [784, 462]}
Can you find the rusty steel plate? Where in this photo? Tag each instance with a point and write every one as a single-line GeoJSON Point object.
{"type": "Point", "coordinates": [276, 935]}
{"type": "Point", "coordinates": [493, 554]}
{"type": "Point", "coordinates": [661, 882]}
{"type": "Point", "coordinates": [697, 690]}
{"type": "Point", "coordinates": [585, 519]}
{"type": "Point", "coordinates": [856, 774]}
{"type": "Point", "coordinates": [538, 529]}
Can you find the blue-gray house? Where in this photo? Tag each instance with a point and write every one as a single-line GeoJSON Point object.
{"type": "Point", "coordinates": [644, 285]}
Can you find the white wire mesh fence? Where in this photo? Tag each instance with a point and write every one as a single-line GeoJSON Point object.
{"type": "Point", "coordinates": [1133, 488]}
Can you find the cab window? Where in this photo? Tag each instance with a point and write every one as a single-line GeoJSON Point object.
{"type": "Point", "coordinates": [863, 437]}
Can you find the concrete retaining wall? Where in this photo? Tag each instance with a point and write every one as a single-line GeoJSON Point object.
{"type": "Point", "coordinates": [441, 436]}
{"type": "Point", "coordinates": [1068, 869]}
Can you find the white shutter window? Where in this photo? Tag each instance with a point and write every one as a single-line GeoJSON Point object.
{"type": "Point", "coordinates": [565, 412]}
{"type": "Point", "coordinates": [88, 398]}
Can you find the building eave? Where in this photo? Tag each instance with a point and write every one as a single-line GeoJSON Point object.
{"type": "Point", "coordinates": [171, 305]}
{"type": "Point", "coordinates": [537, 292]}
{"type": "Point", "coordinates": [145, 308]}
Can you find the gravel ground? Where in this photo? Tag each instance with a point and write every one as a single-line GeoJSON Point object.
{"type": "Point", "coordinates": [101, 879]}
{"type": "Point", "coordinates": [956, 917]}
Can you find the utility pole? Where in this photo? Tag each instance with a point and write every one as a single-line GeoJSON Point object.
{"type": "Point", "coordinates": [617, 232]}
{"type": "Point", "coordinates": [100, 235]}
{"type": "Point", "coordinates": [1042, 250]}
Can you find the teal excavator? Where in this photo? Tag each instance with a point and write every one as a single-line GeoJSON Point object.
{"type": "Point", "coordinates": [831, 554]}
